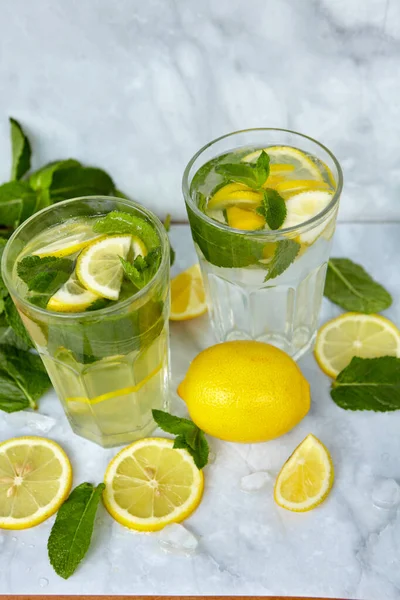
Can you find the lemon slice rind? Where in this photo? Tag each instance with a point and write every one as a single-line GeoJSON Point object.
{"type": "Point", "coordinates": [187, 295]}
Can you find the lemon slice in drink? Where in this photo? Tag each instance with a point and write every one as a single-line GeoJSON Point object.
{"type": "Point", "coordinates": [99, 268]}
{"type": "Point", "coordinates": [72, 297]}
{"type": "Point", "coordinates": [355, 334]}
{"type": "Point", "coordinates": [234, 194]}
{"type": "Point", "coordinates": [35, 479]}
{"type": "Point", "coordinates": [304, 206]}
{"type": "Point", "coordinates": [188, 298]}
{"type": "Point", "coordinates": [306, 478]}
{"type": "Point", "coordinates": [66, 239]}
{"type": "Point", "coordinates": [149, 484]}
{"type": "Point", "coordinates": [247, 220]}
{"type": "Point", "coordinates": [303, 167]}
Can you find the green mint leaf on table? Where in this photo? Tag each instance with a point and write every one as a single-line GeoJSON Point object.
{"type": "Point", "coordinates": [14, 321]}
{"type": "Point", "coordinates": [172, 254]}
{"type": "Point", "coordinates": [23, 379]}
{"type": "Point", "coordinates": [118, 222]}
{"type": "Point", "coordinates": [17, 203]}
{"type": "Point", "coordinates": [349, 285]}
{"type": "Point", "coordinates": [189, 436]}
{"type": "Point", "coordinates": [252, 175]}
{"type": "Point", "coordinates": [71, 182]}
{"type": "Point", "coordinates": [45, 275]}
{"type": "Point", "coordinates": [21, 151]}
{"type": "Point", "coordinates": [285, 253]}
{"type": "Point", "coordinates": [43, 177]}
{"type": "Point", "coordinates": [71, 533]}
{"type": "Point", "coordinates": [369, 384]}
{"type": "Point", "coordinates": [143, 269]}
{"type": "Point", "coordinates": [273, 208]}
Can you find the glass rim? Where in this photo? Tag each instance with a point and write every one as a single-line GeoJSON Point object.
{"type": "Point", "coordinates": [262, 233]}
{"type": "Point", "coordinates": [109, 310]}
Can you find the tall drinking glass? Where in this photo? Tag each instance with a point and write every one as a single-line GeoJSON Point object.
{"type": "Point", "coordinates": [109, 367]}
{"type": "Point", "coordinates": [263, 284]}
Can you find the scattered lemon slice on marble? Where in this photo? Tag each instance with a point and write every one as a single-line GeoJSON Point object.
{"type": "Point", "coordinates": [66, 239]}
{"type": "Point", "coordinates": [355, 334]}
{"type": "Point", "coordinates": [306, 478]}
{"type": "Point", "coordinates": [304, 206]}
{"type": "Point", "coordinates": [72, 297]}
{"type": "Point", "coordinates": [99, 268]}
{"type": "Point", "coordinates": [35, 479]}
{"type": "Point", "coordinates": [188, 299]}
{"type": "Point", "coordinates": [149, 484]}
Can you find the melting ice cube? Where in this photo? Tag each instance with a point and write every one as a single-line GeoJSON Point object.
{"type": "Point", "coordinates": [386, 493]}
{"type": "Point", "coordinates": [255, 481]}
{"type": "Point", "coordinates": [32, 420]}
{"type": "Point", "coordinates": [176, 539]}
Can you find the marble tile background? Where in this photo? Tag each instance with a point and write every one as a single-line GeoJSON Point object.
{"type": "Point", "coordinates": [137, 87]}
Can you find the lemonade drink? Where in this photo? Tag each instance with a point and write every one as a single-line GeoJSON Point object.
{"type": "Point", "coordinates": [90, 279]}
{"type": "Point", "coordinates": [262, 206]}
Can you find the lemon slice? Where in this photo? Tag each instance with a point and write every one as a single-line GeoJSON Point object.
{"type": "Point", "coordinates": [234, 194]}
{"type": "Point", "coordinates": [188, 298]}
{"type": "Point", "coordinates": [247, 220]}
{"type": "Point", "coordinates": [149, 484]}
{"type": "Point", "coordinates": [99, 268]}
{"type": "Point", "coordinates": [355, 334]}
{"type": "Point", "coordinates": [303, 166]}
{"type": "Point", "coordinates": [306, 478]}
{"type": "Point", "coordinates": [66, 239]}
{"type": "Point", "coordinates": [72, 297]}
{"type": "Point", "coordinates": [289, 187]}
{"type": "Point", "coordinates": [35, 479]}
{"type": "Point", "coordinates": [304, 206]}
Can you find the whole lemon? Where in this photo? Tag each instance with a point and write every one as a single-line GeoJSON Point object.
{"type": "Point", "coordinates": [245, 391]}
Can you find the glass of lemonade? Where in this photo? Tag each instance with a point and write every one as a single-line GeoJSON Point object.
{"type": "Point", "coordinates": [90, 279]}
{"type": "Point", "coordinates": [262, 207]}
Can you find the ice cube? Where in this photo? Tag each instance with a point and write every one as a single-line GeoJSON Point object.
{"type": "Point", "coordinates": [386, 494]}
{"type": "Point", "coordinates": [32, 420]}
{"type": "Point", "coordinates": [255, 481]}
{"type": "Point", "coordinates": [176, 539]}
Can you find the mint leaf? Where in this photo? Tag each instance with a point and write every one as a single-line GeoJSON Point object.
{"type": "Point", "coordinates": [8, 336]}
{"type": "Point", "coordinates": [119, 222]}
{"type": "Point", "coordinates": [143, 269]}
{"type": "Point", "coordinates": [349, 285]}
{"type": "Point", "coordinates": [71, 533]}
{"type": "Point", "coordinates": [21, 151]}
{"type": "Point", "coordinates": [71, 182]}
{"type": "Point", "coordinates": [17, 203]}
{"type": "Point", "coordinates": [14, 321]}
{"type": "Point", "coordinates": [189, 436]}
{"type": "Point", "coordinates": [98, 304]}
{"type": "Point", "coordinates": [262, 167]}
{"type": "Point", "coordinates": [285, 253]}
{"type": "Point", "coordinates": [3, 289]}
{"type": "Point", "coordinates": [43, 177]}
{"type": "Point", "coordinates": [273, 208]}
{"type": "Point", "coordinates": [252, 175]}
{"type": "Point", "coordinates": [23, 379]}
{"type": "Point", "coordinates": [369, 384]}
{"type": "Point", "coordinates": [45, 275]}
{"type": "Point", "coordinates": [172, 254]}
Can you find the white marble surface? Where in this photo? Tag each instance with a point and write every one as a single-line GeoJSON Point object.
{"type": "Point", "coordinates": [348, 548]}
{"type": "Point", "coordinates": [137, 87]}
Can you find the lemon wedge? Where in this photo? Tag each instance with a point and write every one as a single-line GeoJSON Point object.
{"type": "Point", "coordinates": [35, 479]}
{"type": "Point", "coordinates": [65, 239]}
{"type": "Point", "coordinates": [303, 167]}
{"type": "Point", "coordinates": [72, 297]}
{"type": "Point", "coordinates": [234, 194]}
{"type": "Point", "coordinates": [188, 298]}
{"type": "Point", "coordinates": [248, 220]}
{"type": "Point", "coordinates": [306, 478]}
{"type": "Point", "coordinates": [355, 334]}
{"type": "Point", "coordinates": [99, 268]}
{"type": "Point", "coordinates": [304, 206]}
{"type": "Point", "coordinates": [149, 484]}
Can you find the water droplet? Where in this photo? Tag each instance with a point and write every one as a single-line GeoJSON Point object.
{"type": "Point", "coordinates": [28, 569]}
{"type": "Point", "coordinates": [22, 543]}
{"type": "Point", "coordinates": [14, 539]}
{"type": "Point", "coordinates": [386, 494]}
{"type": "Point", "coordinates": [385, 456]}
{"type": "Point", "coordinates": [212, 456]}
{"type": "Point", "coordinates": [43, 582]}
{"type": "Point", "coordinates": [254, 482]}
{"type": "Point", "coordinates": [31, 545]}
{"type": "Point", "coordinates": [176, 539]}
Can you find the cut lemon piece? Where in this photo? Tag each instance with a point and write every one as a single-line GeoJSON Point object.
{"type": "Point", "coordinates": [293, 186]}
{"type": "Point", "coordinates": [355, 334]}
{"type": "Point", "coordinates": [149, 484]}
{"type": "Point", "coordinates": [138, 246]}
{"type": "Point", "coordinates": [72, 297]}
{"type": "Point", "coordinates": [99, 268]}
{"type": "Point", "coordinates": [188, 299]}
{"type": "Point", "coordinates": [234, 194]}
{"type": "Point", "coordinates": [303, 167]}
{"type": "Point", "coordinates": [306, 478]}
{"type": "Point", "coordinates": [239, 218]}
{"type": "Point", "coordinates": [35, 479]}
{"type": "Point", "coordinates": [66, 239]}
{"type": "Point", "coordinates": [304, 206]}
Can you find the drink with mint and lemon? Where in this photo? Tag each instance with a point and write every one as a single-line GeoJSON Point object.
{"type": "Point", "coordinates": [90, 279]}
{"type": "Point", "coordinates": [262, 207]}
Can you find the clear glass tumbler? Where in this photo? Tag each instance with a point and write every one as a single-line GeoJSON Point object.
{"type": "Point", "coordinates": [243, 304]}
{"type": "Point", "coordinates": [109, 367]}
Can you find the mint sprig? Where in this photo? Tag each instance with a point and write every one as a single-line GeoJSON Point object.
{"type": "Point", "coordinates": [273, 208]}
{"type": "Point", "coordinates": [252, 175]}
{"type": "Point", "coordinates": [369, 384]}
{"type": "Point", "coordinates": [285, 253]}
{"type": "Point", "coordinates": [71, 533]}
{"type": "Point", "coordinates": [167, 226]}
{"type": "Point", "coordinates": [46, 274]}
{"type": "Point", "coordinates": [21, 151]}
{"type": "Point", "coordinates": [351, 287]}
{"type": "Point", "coordinates": [143, 269]}
{"type": "Point", "coordinates": [188, 436]}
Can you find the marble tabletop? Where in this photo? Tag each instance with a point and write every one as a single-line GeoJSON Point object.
{"type": "Point", "coordinates": [238, 541]}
